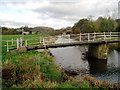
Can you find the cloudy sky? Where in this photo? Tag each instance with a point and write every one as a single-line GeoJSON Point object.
{"type": "Point", "coordinates": [52, 13]}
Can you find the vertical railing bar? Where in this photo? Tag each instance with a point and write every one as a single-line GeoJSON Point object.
{"type": "Point", "coordinates": [7, 47]}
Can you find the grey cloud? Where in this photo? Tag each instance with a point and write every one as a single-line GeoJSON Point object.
{"type": "Point", "coordinates": [74, 11]}
{"type": "Point", "coordinates": [13, 23]}
{"type": "Point", "coordinates": [61, 11]}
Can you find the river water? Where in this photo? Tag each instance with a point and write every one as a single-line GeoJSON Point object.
{"type": "Point", "coordinates": [71, 59]}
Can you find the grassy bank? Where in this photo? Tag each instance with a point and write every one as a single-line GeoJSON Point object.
{"type": "Point", "coordinates": [36, 70]}
{"type": "Point", "coordinates": [114, 46]}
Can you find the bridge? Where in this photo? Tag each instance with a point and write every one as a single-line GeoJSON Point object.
{"type": "Point", "coordinates": [97, 43]}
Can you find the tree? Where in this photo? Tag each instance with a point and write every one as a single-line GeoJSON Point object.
{"type": "Point", "coordinates": [90, 18]}
{"type": "Point", "coordinates": [118, 25]}
{"type": "Point", "coordinates": [85, 26]}
{"type": "Point", "coordinates": [26, 28]}
{"type": "Point", "coordinates": [111, 25]}
{"type": "Point", "coordinates": [107, 25]}
{"type": "Point", "coordinates": [4, 28]}
{"type": "Point", "coordinates": [104, 25]}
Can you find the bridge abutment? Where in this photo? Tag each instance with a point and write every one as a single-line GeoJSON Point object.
{"type": "Point", "coordinates": [98, 51]}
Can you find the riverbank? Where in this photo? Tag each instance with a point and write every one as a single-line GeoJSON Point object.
{"type": "Point", "coordinates": [35, 69]}
{"type": "Point", "coordinates": [115, 46]}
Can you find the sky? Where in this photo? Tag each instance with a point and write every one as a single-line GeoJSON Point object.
{"type": "Point", "coordinates": [53, 13]}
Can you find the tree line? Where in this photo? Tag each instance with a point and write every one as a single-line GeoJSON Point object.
{"type": "Point", "coordinates": [100, 25]}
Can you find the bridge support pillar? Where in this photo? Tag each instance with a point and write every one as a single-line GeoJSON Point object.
{"type": "Point", "coordinates": [98, 51]}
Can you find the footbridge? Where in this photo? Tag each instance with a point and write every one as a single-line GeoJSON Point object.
{"type": "Point", "coordinates": [97, 42]}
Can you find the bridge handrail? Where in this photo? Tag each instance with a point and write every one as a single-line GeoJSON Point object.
{"type": "Point", "coordinates": [80, 37]}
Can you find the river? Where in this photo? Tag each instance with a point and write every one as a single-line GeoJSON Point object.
{"type": "Point", "coordinates": [71, 59]}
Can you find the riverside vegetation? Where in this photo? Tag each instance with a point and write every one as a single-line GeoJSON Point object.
{"type": "Point", "coordinates": [37, 70]}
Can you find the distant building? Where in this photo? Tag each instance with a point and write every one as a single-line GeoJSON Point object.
{"type": "Point", "coordinates": [119, 10]}
{"type": "Point", "coordinates": [26, 33]}
{"type": "Point", "coordinates": [19, 30]}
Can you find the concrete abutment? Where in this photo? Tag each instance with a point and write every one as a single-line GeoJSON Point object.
{"type": "Point", "coordinates": [98, 51]}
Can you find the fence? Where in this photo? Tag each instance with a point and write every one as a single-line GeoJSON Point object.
{"type": "Point", "coordinates": [50, 40]}
{"type": "Point", "coordinates": [14, 44]}
{"type": "Point", "coordinates": [93, 36]}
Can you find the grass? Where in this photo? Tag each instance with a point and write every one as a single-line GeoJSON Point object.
{"type": "Point", "coordinates": [114, 46]}
{"type": "Point", "coordinates": [35, 39]}
{"type": "Point", "coordinates": [9, 37]}
{"type": "Point", "coordinates": [36, 70]}
{"type": "Point", "coordinates": [14, 37]}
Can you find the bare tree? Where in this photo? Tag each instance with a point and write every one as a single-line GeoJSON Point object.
{"type": "Point", "coordinates": [114, 14]}
{"type": "Point", "coordinates": [90, 17]}
{"type": "Point", "coordinates": [107, 13]}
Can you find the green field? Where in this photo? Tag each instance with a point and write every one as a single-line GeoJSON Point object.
{"type": "Point", "coordinates": [35, 38]}
{"type": "Point", "coordinates": [9, 37]}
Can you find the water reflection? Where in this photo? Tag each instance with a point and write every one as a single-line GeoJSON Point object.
{"type": "Point", "coordinates": [97, 66]}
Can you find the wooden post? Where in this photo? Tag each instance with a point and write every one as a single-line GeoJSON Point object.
{"type": "Point", "coordinates": [88, 36]}
{"type": "Point", "coordinates": [20, 42]}
{"type": "Point", "coordinates": [17, 43]}
{"type": "Point", "coordinates": [22, 36]}
{"type": "Point", "coordinates": [110, 35]}
{"type": "Point", "coordinates": [80, 37]}
{"type": "Point", "coordinates": [104, 36]}
{"type": "Point", "coordinates": [26, 43]}
{"type": "Point", "coordinates": [94, 36]}
{"type": "Point", "coordinates": [7, 47]}
{"type": "Point", "coordinates": [12, 41]}
{"type": "Point", "coordinates": [43, 41]}
{"type": "Point", "coordinates": [62, 35]}
{"type": "Point", "coordinates": [69, 37]}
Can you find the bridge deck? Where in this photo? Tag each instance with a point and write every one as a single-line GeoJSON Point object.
{"type": "Point", "coordinates": [69, 44]}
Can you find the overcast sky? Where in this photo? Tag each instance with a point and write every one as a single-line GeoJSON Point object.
{"type": "Point", "coordinates": [52, 13]}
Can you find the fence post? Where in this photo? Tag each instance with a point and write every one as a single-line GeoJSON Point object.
{"type": "Point", "coordinates": [12, 41]}
{"type": "Point", "coordinates": [80, 37]}
{"type": "Point", "coordinates": [17, 43]}
{"type": "Point", "coordinates": [7, 46]}
{"type": "Point", "coordinates": [26, 43]}
{"type": "Point", "coordinates": [110, 35]}
{"type": "Point", "coordinates": [88, 36]}
{"type": "Point", "coordinates": [21, 42]}
{"type": "Point", "coordinates": [62, 35]}
{"type": "Point", "coordinates": [69, 37]}
{"type": "Point", "coordinates": [104, 36]}
{"type": "Point", "coordinates": [43, 41]}
{"type": "Point", "coordinates": [94, 36]}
